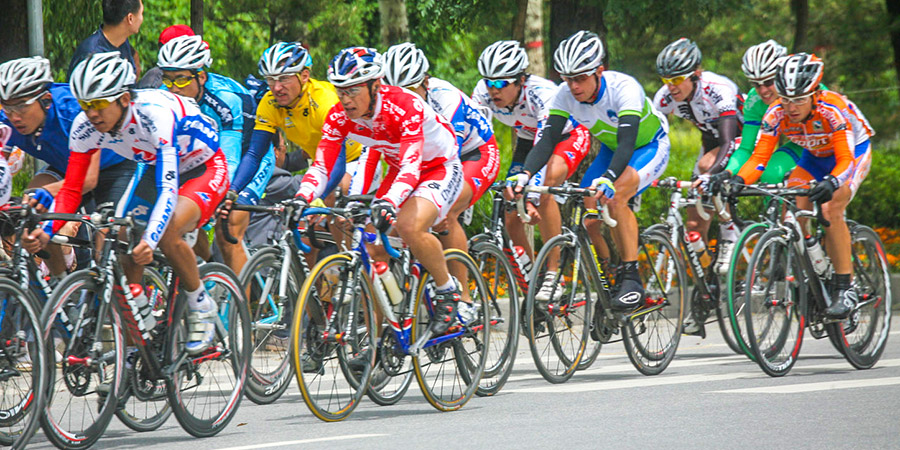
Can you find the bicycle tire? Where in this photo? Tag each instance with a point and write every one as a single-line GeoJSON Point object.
{"type": "Point", "coordinates": [736, 285]}
{"type": "Point", "coordinates": [864, 335]}
{"type": "Point", "coordinates": [205, 393]}
{"type": "Point", "coordinates": [651, 338]}
{"type": "Point", "coordinates": [566, 333]}
{"type": "Point", "coordinates": [330, 390]}
{"type": "Point", "coordinates": [73, 387]}
{"type": "Point", "coordinates": [775, 303]}
{"type": "Point", "coordinates": [270, 367]}
{"type": "Point", "coordinates": [503, 303]}
{"type": "Point", "coordinates": [23, 361]}
{"type": "Point", "coordinates": [449, 389]}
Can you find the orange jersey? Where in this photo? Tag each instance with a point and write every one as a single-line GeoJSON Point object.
{"type": "Point", "coordinates": [834, 128]}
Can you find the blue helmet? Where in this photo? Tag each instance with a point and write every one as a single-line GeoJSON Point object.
{"type": "Point", "coordinates": [355, 65]}
{"type": "Point", "coordinates": [284, 57]}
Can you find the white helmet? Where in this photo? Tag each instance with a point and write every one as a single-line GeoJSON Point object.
{"type": "Point", "coordinates": [678, 58]}
{"type": "Point", "coordinates": [101, 75]}
{"type": "Point", "coordinates": [184, 53]}
{"type": "Point", "coordinates": [404, 65]}
{"type": "Point", "coordinates": [580, 53]}
{"type": "Point", "coordinates": [799, 75]}
{"type": "Point", "coordinates": [760, 62]}
{"type": "Point", "coordinates": [502, 59]}
{"type": "Point", "coordinates": [284, 57]}
{"type": "Point", "coordinates": [24, 76]}
{"type": "Point", "coordinates": [355, 65]}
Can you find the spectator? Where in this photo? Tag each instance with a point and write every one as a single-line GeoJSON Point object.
{"type": "Point", "coordinates": [121, 20]}
{"type": "Point", "coordinates": [152, 79]}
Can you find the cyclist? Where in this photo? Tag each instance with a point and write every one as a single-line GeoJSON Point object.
{"type": "Point", "coordinates": [189, 180]}
{"type": "Point", "coordinates": [152, 78]}
{"type": "Point", "coordinates": [184, 61]}
{"type": "Point", "coordinates": [634, 146]}
{"type": "Point", "coordinates": [837, 152]}
{"type": "Point", "coordinates": [40, 114]}
{"type": "Point", "coordinates": [424, 176]}
{"type": "Point", "coordinates": [521, 100]}
{"type": "Point", "coordinates": [406, 66]}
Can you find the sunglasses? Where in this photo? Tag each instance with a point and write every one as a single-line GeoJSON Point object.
{"type": "Point", "coordinates": [674, 81]}
{"type": "Point", "coordinates": [349, 92]}
{"type": "Point", "coordinates": [18, 108]}
{"type": "Point", "coordinates": [796, 100]}
{"type": "Point", "coordinates": [766, 83]}
{"type": "Point", "coordinates": [283, 79]}
{"type": "Point", "coordinates": [179, 82]}
{"type": "Point", "coordinates": [499, 84]}
{"type": "Point", "coordinates": [575, 78]}
{"type": "Point", "coordinates": [99, 103]}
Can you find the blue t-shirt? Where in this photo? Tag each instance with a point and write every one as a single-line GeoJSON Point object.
{"type": "Point", "coordinates": [52, 146]}
{"type": "Point", "coordinates": [97, 43]}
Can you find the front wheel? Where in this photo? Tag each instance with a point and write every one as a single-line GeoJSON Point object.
{"type": "Point", "coordinates": [736, 287]}
{"type": "Point", "coordinates": [206, 389]}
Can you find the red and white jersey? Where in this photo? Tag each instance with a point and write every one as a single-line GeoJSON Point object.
{"type": "Point", "coordinates": [403, 128]}
{"type": "Point", "coordinates": [714, 96]}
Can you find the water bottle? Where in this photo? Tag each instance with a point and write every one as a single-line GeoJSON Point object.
{"type": "Point", "coordinates": [140, 308]}
{"type": "Point", "coordinates": [383, 272]}
{"type": "Point", "coordinates": [819, 260]}
{"type": "Point", "coordinates": [524, 261]}
{"type": "Point", "coordinates": [695, 241]}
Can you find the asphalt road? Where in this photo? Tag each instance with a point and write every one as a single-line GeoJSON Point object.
{"type": "Point", "coordinates": [707, 398]}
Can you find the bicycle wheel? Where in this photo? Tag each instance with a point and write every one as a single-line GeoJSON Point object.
{"type": "Point", "coordinates": [449, 367]}
{"type": "Point", "coordinates": [864, 334]}
{"type": "Point", "coordinates": [23, 360]}
{"type": "Point", "coordinates": [558, 330]}
{"type": "Point", "coordinates": [651, 334]}
{"type": "Point", "coordinates": [503, 307]}
{"type": "Point", "coordinates": [270, 367]}
{"type": "Point", "coordinates": [774, 303]}
{"type": "Point", "coordinates": [86, 358]}
{"type": "Point", "coordinates": [331, 329]}
{"type": "Point", "coordinates": [735, 290]}
{"type": "Point", "coordinates": [143, 405]}
{"type": "Point", "coordinates": [206, 389]}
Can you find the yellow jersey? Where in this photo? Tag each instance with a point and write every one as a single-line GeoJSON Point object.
{"type": "Point", "coordinates": [302, 123]}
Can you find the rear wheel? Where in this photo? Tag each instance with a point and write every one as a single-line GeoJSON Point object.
{"type": "Point", "coordinates": [503, 311]}
{"type": "Point", "coordinates": [736, 286]}
{"type": "Point", "coordinates": [652, 333]}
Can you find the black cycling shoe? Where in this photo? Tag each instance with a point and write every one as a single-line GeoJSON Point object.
{"type": "Point", "coordinates": [445, 304]}
{"type": "Point", "coordinates": [629, 297]}
{"type": "Point", "coordinates": [843, 301]}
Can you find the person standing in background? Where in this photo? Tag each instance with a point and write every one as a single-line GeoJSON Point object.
{"type": "Point", "coordinates": [121, 20]}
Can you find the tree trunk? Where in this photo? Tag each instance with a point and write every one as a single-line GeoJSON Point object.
{"type": "Point", "coordinates": [518, 31]}
{"type": "Point", "coordinates": [564, 24]}
{"type": "Point", "coordinates": [14, 23]}
{"type": "Point", "coordinates": [394, 23]}
{"type": "Point", "coordinates": [893, 9]}
{"type": "Point", "coordinates": [197, 16]}
{"type": "Point", "coordinates": [534, 37]}
{"type": "Point", "coordinates": [801, 12]}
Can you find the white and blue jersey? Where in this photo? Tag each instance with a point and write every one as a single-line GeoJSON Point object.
{"type": "Point", "coordinates": [472, 129]}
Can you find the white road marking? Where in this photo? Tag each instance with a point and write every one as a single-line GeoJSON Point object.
{"type": "Point", "coordinates": [814, 387]}
{"type": "Point", "coordinates": [305, 441]}
{"type": "Point", "coordinates": [635, 383]}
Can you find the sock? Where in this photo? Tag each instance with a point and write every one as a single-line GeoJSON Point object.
{"type": "Point", "coordinates": [841, 281]}
{"type": "Point", "coordinates": [727, 231]}
{"type": "Point", "coordinates": [196, 302]}
{"type": "Point", "coordinates": [447, 287]}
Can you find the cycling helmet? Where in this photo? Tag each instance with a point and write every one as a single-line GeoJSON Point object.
{"type": "Point", "coordinates": [355, 65]}
{"type": "Point", "coordinates": [580, 53]}
{"type": "Point", "coordinates": [101, 75]}
{"type": "Point", "coordinates": [284, 57]}
{"type": "Point", "coordinates": [799, 75]}
{"type": "Point", "coordinates": [678, 58]}
{"type": "Point", "coordinates": [404, 65]}
{"type": "Point", "coordinates": [761, 61]}
{"type": "Point", "coordinates": [24, 76]}
{"type": "Point", "coordinates": [502, 59]}
{"type": "Point", "coordinates": [184, 53]}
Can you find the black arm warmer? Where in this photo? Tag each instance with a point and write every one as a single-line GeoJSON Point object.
{"type": "Point", "coordinates": [728, 129]}
{"type": "Point", "coordinates": [295, 161]}
{"type": "Point", "coordinates": [626, 137]}
{"type": "Point", "coordinates": [540, 153]}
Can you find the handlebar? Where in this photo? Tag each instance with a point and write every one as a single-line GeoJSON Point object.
{"type": "Point", "coordinates": [674, 183]}
{"type": "Point", "coordinates": [566, 190]}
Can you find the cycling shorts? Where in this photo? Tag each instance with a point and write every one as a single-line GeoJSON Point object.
{"type": "Point", "coordinates": [649, 161]}
{"type": "Point", "coordinates": [257, 185]}
{"type": "Point", "coordinates": [439, 185]}
{"type": "Point", "coordinates": [815, 168]}
{"type": "Point", "coordinates": [480, 168]}
{"type": "Point", "coordinates": [195, 184]}
{"type": "Point", "coordinates": [112, 182]}
{"type": "Point", "coordinates": [574, 148]}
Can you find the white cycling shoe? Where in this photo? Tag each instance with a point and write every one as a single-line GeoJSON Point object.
{"type": "Point", "coordinates": [201, 327]}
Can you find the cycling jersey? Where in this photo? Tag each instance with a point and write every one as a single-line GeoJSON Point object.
{"type": "Point", "coordinates": [472, 129]}
{"type": "Point", "coordinates": [530, 111]}
{"type": "Point", "coordinates": [833, 130]}
{"type": "Point", "coordinates": [159, 128]}
{"type": "Point", "coordinates": [51, 145]}
{"type": "Point", "coordinates": [5, 181]}
{"type": "Point", "coordinates": [403, 128]}
{"type": "Point", "coordinates": [714, 96]}
{"type": "Point", "coordinates": [301, 124]}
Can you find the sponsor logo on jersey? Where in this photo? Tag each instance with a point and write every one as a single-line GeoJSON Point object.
{"type": "Point", "coordinates": [761, 167]}
{"type": "Point", "coordinates": [817, 125]}
{"type": "Point", "coordinates": [204, 197]}
{"type": "Point", "coordinates": [612, 115]}
{"type": "Point", "coordinates": [221, 109]}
